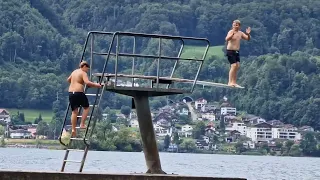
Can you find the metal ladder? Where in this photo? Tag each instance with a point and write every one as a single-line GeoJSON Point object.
{"type": "Point", "coordinates": [86, 137]}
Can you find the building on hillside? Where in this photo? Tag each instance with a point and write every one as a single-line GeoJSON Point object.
{"type": "Point", "coordinates": [261, 132]}
{"type": "Point", "coordinates": [5, 116]}
{"type": "Point", "coordinates": [237, 126]}
{"type": "Point", "coordinates": [265, 132]}
{"type": "Point", "coordinates": [199, 103]}
{"type": "Point", "coordinates": [208, 107]}
{"type": "Point", "coordinates": [186, 131]}
{"type": "Point", "coordinates": [134, 123]}
{"type": "Point", "coordinates": [183, 111]}
{"type": "Point", "coordinates": [286, 131]}
{"type": "Point", "coordinates": [227, 109]}
{"type": "Point", "coordinates": [209, 116]}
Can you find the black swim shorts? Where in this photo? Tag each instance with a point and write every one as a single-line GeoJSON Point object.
{"type": "Point", "coordinates": [233, 56]}
{"type": "Point", "coordinates": [78, 99]}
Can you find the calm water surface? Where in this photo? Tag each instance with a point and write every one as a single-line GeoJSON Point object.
{"type": "Point", "coordinates": [250, 167]}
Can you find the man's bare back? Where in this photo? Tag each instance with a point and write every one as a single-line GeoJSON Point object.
{"type": "Point", "coordinates": [77, 82]}
{"type": "Point", "coordinates": [77, 98]}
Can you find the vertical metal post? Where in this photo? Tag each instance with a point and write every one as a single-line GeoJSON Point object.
{"type": "Point", "coordinates": [91, 56]}
{"type": "Point", "coordinates": [158, 65]}
{"type": "Point", "coordinates": [133, 58]}
{"type": "Point", "coordinates": [176, 63]}
{"type": "Point", "coordinates": [148, 137]}
{"type": "Point", "coordinates": [116, 65]}
{"type": "Point", "coordinates": [202, 60]}
{"type": "Point", "coordinates": [84, 158]}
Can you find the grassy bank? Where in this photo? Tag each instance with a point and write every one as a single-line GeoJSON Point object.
{"type": "Point", "coordinates": [198, 51]}
{"type": "Point", "coordinates": [31, 114]}
{"type": "Point", "coordinates": [32, 141]}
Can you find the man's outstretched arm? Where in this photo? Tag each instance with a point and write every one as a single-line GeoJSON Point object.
{"type": "Point", "coordinates": [89, 83]}
{"type": "Point", "coordinates": [246, 36]}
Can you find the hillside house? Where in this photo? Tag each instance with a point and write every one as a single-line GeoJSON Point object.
{"type": "Point", "coordinates": [5, 116]}
{"type": "Point", "coordinates": [199, 103]}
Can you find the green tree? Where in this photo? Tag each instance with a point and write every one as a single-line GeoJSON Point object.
{"type": "Point", "coordinates": [166, 141]}
{"type": "Point", "coordinates": [126, 110]}
{"type": "Point", "coordinates": [199, 130]}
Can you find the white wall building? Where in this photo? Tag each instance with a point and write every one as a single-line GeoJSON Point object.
{"type": "Point", "coordinates": [200, 103]}
{"type": "Point", "coordinates": [5, 116]}
{"type": "Point", "coordinates": [266, 132]}
{"type": "Point", "coordinates": [260, 132]}
{"type": "Point", "coordinates": [286, 132]}
{"type": "Point", "coordinates": [228, 110]}
{"type": "Point", "coordinates": [134, 123]}
{"type": "Point", "coordinates": [238, 126]}
{"type": "Point", "coordinates": [209, 115]}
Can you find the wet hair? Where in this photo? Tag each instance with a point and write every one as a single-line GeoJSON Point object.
{"type": "Point", "coordinates": [84, 63]}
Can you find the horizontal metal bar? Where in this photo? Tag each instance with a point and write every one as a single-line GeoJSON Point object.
{"type": "Point", "coordinates": [72, 161]}
{"type": "Point", "coordinates": [150, 35]}
{"type": "Point", "coordinates": [93, 94]}
{"type": "Point", "coordinates": [147, 56]}
{"type": "Point", "coordinates": [76, 150]}
{"type": "Point", "coordinates": [78, 139]}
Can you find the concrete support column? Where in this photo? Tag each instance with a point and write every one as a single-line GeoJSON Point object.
{"type": "Point", "coordinates": [150, 148]}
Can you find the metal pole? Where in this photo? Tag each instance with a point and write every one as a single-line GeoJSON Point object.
{"type": "Point", "coordinates": [158, 65]}
{"type": "Point", "coordinates": [148, 137]}
{"type": "Point", "coordinates": [133, 59]}
{"type": "Point", "coordinates": [116, 65]}
{"type": "Point", "coordinates": [91, 56]}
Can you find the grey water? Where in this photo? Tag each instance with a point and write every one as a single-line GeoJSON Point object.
{"type": "Point", "coordinates": [212, 165]}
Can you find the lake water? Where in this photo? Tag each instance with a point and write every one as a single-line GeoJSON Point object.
{"type": "Point", "coordinates": [250, 167]}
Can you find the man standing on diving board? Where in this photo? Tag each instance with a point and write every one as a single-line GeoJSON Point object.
{"type": "Point", "coordinates": [77, 98]}
{"type": "Point", "coordinates": [233, 46]}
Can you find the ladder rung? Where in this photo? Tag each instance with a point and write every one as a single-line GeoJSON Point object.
{"type": "Point", "coordinates": [78, 139]}
{"type": "Point", "coordinates": [72, 161]}
{"type": "Point", "coordinates": [87, 116]}
{"type": "Point", "coordinates": [80, 150]}
{"type": "Point", "coordinates": [93, 94]}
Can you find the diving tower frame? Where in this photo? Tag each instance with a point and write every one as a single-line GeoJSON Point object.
{"type": "Point", "coordinates": [156, 85]}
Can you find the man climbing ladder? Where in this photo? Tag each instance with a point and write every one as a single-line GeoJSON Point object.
{"type": "Point", "coordinates": [77, 98]}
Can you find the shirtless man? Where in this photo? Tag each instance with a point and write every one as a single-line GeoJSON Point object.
{"type": "Point", "coordinates": [233, 45]}
{"type": "Point", "coordinates": [77, 98]}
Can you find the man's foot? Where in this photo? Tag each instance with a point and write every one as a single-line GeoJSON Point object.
{"type": "Point", "coordinates": [83, 126]}
{"type": "Point", "coordinates": [73, 133]}
{"type": "Point", "coordinates": [238, 86]}
{"type": "Point", "coordinates": [231, 85]}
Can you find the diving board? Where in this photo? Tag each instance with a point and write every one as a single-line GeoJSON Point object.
{"type": "Point", "coordinates": [169, 79]}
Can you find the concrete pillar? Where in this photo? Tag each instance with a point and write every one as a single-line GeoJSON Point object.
{"type": "Point", "coordinates": [150, 148]}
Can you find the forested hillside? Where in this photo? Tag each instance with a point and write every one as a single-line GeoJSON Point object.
{"type": "Point", "coordinates": [41, 42]}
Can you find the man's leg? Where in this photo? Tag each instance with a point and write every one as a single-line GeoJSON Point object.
{"type": "Point", "coordinates": [232, 60]}
{"type": "Point", "coordinates": [85, 106]}
{"type": "Point", "coordinates": [84, 117]}
{"type": "Point", "coordinates": [74, 121]}
{"type": "Point", "coordinates": [237, 65]}
{"type": "Point", "coordinates": [232, 74]}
